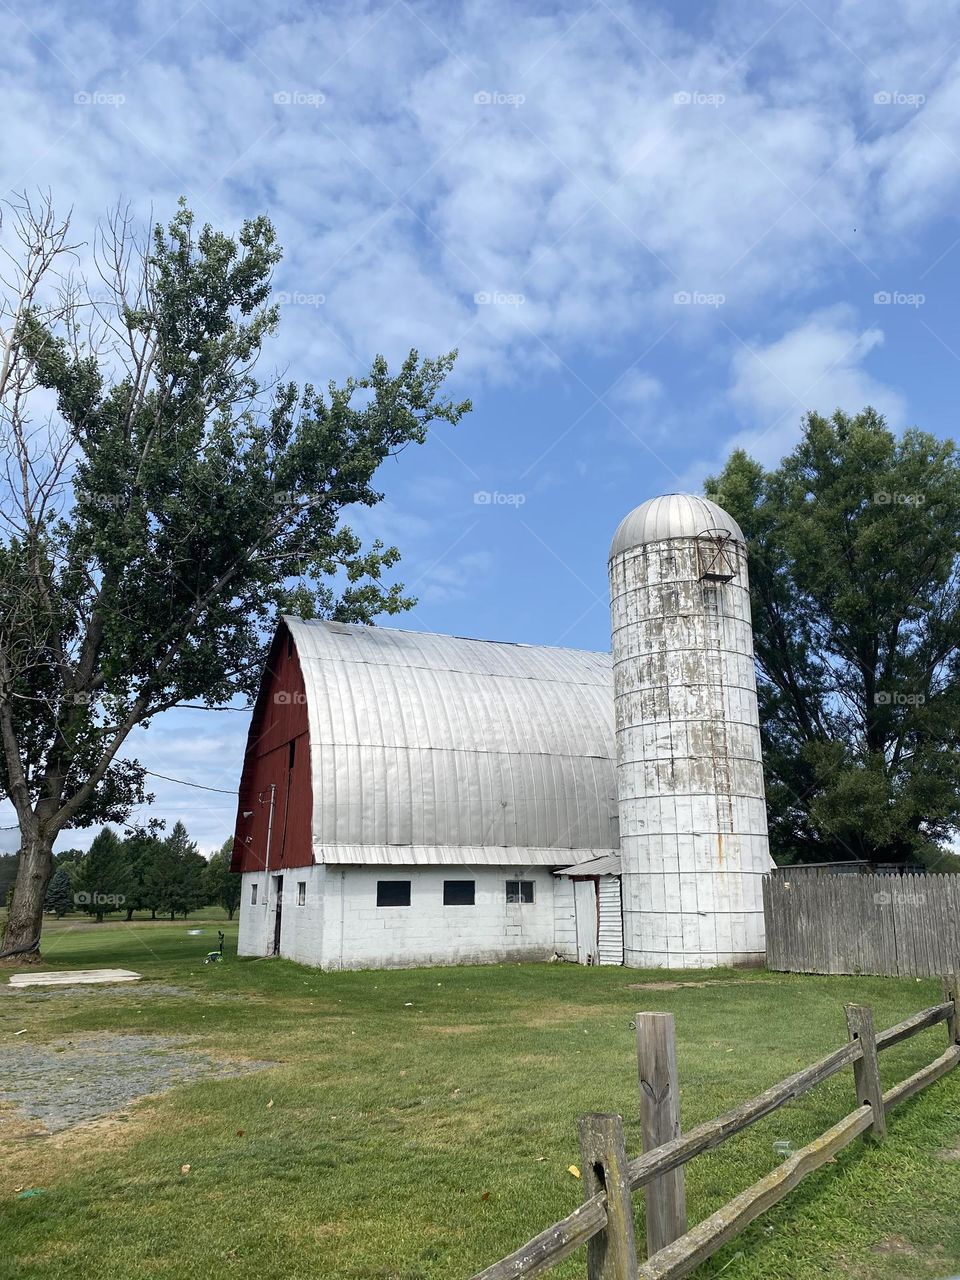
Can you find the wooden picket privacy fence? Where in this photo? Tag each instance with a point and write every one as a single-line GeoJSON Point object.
{"type": "Point", "coordinates": [892, 925]}
{"type": "Point", "coordinates": [604, 1222]}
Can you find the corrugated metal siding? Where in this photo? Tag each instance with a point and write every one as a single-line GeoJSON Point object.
{"type": "Point", "coordinates": [608, 864]}
{"type": "Point", "coordinates": [425, 740]}
{"type": "Point", "coordinates": [611, 921]}
{"type": "Point", "coordinates": [419, 855]}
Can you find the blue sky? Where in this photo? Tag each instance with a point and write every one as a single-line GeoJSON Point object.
{"type": "Point", "coordinates": [653, 231]}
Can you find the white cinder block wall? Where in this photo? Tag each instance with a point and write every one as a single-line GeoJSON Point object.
{"type": "Point", "coordinates": [252, 935]}
{"type": "Point", "coordinates": [301, 929]}
{"type": "Point", "coordinates": [357, 934]}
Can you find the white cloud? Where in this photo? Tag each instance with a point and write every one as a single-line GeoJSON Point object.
{"type": "Point", "coordinates": [400, 198]}
{"type": "Point", "coordinates": [819, 364]}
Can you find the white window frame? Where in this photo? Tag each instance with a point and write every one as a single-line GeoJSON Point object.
{"type": "Point", "coordinates": [520, 901]}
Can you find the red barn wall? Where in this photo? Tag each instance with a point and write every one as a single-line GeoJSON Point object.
{"type": "Point", "coordinates": [277, 754]}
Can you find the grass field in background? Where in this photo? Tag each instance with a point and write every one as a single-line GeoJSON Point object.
{"type": "Point", "coordinates": [423, 1121]}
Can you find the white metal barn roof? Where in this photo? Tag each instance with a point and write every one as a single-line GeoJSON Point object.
{"type": "Point", "coordinates": [675, 515]}
{"type": "Point", "coordinates": [438, 749]}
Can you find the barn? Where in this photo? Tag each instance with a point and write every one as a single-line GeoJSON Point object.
{"type": "Point", "coordinates": [415, 799]}
{"type": "Point", "coordinates": [406, 799]}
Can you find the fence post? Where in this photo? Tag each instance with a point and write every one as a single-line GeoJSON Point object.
{"type": "Point", "coordinates": [659, 1123]}
{"type": "Point", "coordinates": [951, 991]}
{"type": "Point", "coordinates": [611, 1255]}
{"type": "Point", "coordinates": [866, 1071]}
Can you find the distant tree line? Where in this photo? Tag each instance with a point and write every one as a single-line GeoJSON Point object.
{"type": "Point", "coordinates": [142, 872]}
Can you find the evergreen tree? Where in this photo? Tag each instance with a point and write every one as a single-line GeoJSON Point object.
{"type": "Point", "coordinates": [103, 883]}
{"type": "Point", "coordinates": [141, 852]}
{"type": "Point", "coordinates": [8, 874]}
{"type": "Point", "coordinates": [182, 889]}
{"type": "Point", "coordinates": [223, 885]}
{"type": "Point", "coordinates": [59, 893]}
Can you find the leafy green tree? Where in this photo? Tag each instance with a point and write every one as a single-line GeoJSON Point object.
{"type": "Point", "coordinates": [854, 544]}
{"type": "Point", "coordinates": [103, 883]}
{"type": "Point", "coordinates": [172, 508]}
{"type": "Point", "coordinates": [68, 857]}
{"type": "Point", "coordinates": [60, 891]}
{"type": "Point", "coordinates": [222, 886]}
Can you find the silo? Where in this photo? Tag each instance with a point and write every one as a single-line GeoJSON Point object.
{"type": "Point", "coordinates": [693, 828]}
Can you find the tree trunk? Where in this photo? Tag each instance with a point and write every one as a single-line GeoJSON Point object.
{"type": "Point", "coordinates": [230, 912]}
{"type": "Point", "coordinates": [153, 913]}
{"type": "Point", "coordinates": [25, 917]}
{"type": "Point", "coordinates": [129, 914]}
{"type": "Point", "coordinates": [173, 916]}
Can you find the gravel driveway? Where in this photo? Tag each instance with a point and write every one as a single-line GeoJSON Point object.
{"type": "Point", "coordinates": [81, 1077]}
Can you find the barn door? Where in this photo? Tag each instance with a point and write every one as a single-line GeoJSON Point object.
{"type": "Point", "coordinates": [586, 909]}
{"type": "Point", "coordinates": [278, 887]}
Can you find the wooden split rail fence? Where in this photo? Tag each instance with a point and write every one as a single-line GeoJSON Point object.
{"type": "Point", "coordinates": [604, 1222]}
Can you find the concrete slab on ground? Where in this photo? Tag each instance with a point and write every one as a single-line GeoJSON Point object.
{"type": "Point", "coordinates": [72, 977]}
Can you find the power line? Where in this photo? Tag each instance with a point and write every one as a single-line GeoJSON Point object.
{"type": "Point", "coordinates": [199, 785]}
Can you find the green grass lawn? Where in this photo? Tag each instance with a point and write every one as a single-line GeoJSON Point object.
{"type": "Point", "coordinates": [423, 1121]}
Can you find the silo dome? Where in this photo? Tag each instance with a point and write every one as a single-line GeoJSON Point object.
{"type": "Point", "coordinates": [674, 515]}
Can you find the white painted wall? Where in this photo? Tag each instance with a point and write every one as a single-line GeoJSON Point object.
{"type": "Point", "coordinates": [301, 928]}
{"type": "Point", "coordinates": [253, 932]}
{"type": "Point", "coordinates": [358, 934]}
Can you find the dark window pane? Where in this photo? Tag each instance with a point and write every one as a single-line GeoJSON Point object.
{"type": "Point", "coordinates": [393, 893]}
{"type": "Point", "coordinates": [459, 893]}
{"type": "Point", "coordinates": [519, 890]}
